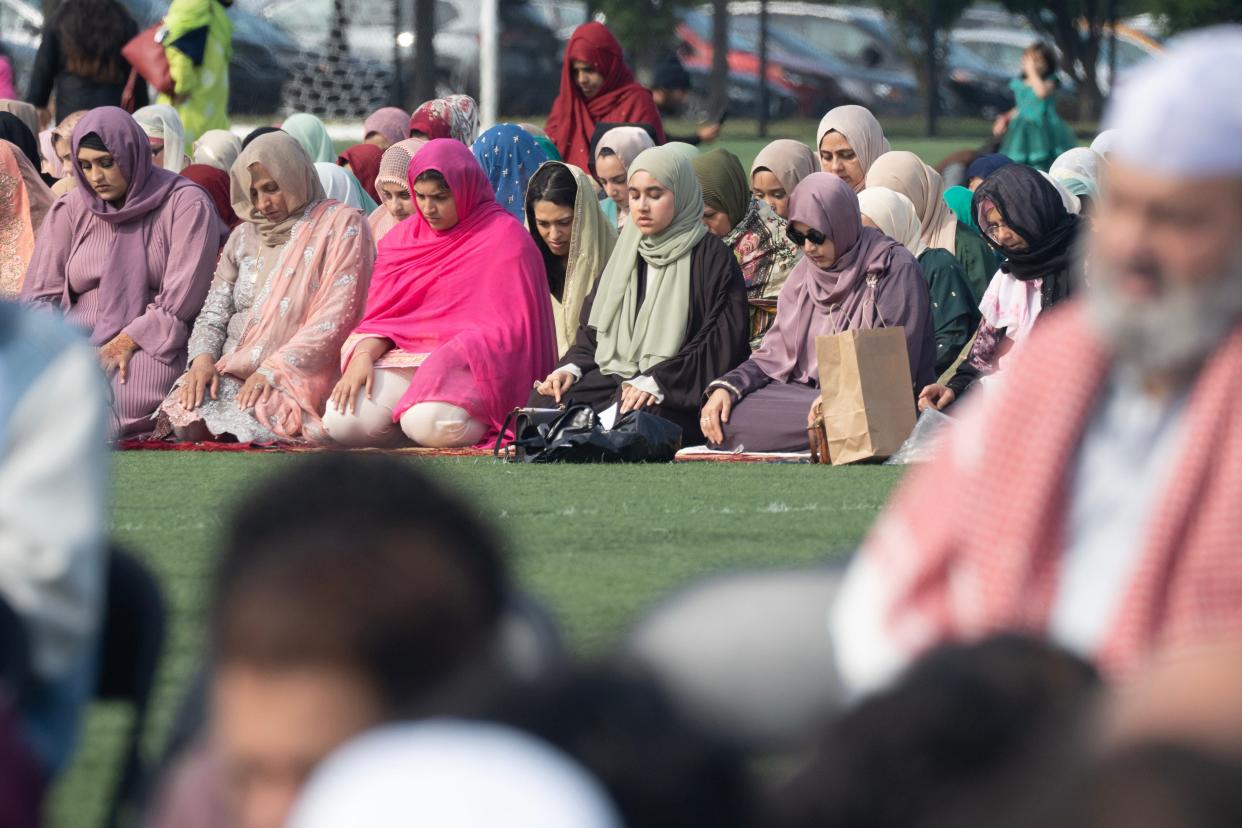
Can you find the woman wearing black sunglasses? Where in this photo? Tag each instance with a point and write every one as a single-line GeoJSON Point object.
{"type": "Point", "coordinates": [851, 277]}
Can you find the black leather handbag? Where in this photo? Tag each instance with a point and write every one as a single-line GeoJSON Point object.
{"type": "Point", "coordinates": [576, 436]}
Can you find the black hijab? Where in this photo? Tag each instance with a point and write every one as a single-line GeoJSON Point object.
{"type": "Point", "coordinates": [255, 133]}
{"type": "Point", "coordinates": [17, 133]}
{"type": "Point", "coordinates": [1031, 206]}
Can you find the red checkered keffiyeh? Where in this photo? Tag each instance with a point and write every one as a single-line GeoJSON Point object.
{"type": "Point", "coordinates": [971, 544]}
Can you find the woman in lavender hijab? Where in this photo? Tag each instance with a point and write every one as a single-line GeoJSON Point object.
{"type": "Point", "coordinates": [851, 277]}
{"type": "Point", "coordinates": [127, 256]}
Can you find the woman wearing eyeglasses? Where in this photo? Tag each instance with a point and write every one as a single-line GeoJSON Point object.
{"type": "Point", "coordinates": [851, 277]}
{"type": "Point", "coordinates": [668, 313]}
{"type": "Point", "coordinates": [1023, 217]}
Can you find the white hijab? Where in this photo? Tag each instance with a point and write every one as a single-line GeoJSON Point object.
{"type": "Point", "coordinates": [451, 774]}
{"type": "Point", "coordinates": [895, 215]}
{"type": "Point", "coordinates": [162, 121]}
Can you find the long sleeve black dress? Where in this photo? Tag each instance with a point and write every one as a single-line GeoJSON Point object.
{"type": "Point", "coordinates": [716, 342]}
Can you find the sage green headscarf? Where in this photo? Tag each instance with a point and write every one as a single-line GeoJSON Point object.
{"type": "Point", "coordinates": [631, 339]}
{"type": "Point", "coordinates": [687, 151]}
{"type": "Point", "coordinates": [312, 135]}
{"type": "Point", "coordinates": [725, 188]}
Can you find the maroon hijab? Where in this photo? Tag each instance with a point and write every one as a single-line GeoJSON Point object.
{"type": "Point", "coordinates": [621, 100]}
{"type": "Point", "coordinates": [216, 182]}
{"type": "Point", "coordinates": [124, 289]}
{"type": "Point", "coordinates": [364, 160]}
{"type": "Point", "coordinates": [818, 302]}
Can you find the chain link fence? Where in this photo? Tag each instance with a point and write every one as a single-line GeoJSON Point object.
{"type": "Point", "coordinates": [344, 58]}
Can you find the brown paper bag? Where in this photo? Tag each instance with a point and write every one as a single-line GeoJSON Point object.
{"type": "Point", "coordinates": [868, 402]}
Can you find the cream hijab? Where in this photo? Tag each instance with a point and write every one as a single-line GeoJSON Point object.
{"type": "Point", "coordinates": [162, 121]}
{"type": "Point", "coordinates": [861, 130]}
{"type": "Point", "coordinates": [632, 337]}
{"type": "Point", "coordinates": [790, 161]}
{"type": "Point", "coordinates": [217, 148]}
{"type": "Point", "coordinates": [289, 165]}
{"type": "Point", "coordinates": [895, 215]}
{"type": "Point", "coordinates": [590, 244]}
{"type": "Point", "coordinates": [906, 173]}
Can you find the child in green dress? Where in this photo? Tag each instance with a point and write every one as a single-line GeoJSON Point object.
{"type": "Point", "coordinates": [1034, 134]}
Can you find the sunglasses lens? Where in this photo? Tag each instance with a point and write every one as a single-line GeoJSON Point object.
{"type": "Point", "coordinates": [794, 236]}
{"type": "Point", "coordinates": [816, 237]}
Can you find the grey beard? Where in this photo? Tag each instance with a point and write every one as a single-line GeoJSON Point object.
{"type": "Point", "coordinates": [1172, 336]}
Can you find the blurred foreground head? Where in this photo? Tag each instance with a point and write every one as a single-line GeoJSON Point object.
{"type": "Point", "coordinates": [452, 774]}
{"type": "Point", "coordinates": [1190, 696]}
{"type": "Point", "coordinates": [660, 768]}
{"type": "Point", "coordinates": [352, 591]}
{"type": "Point", "coordinates": [964, 738]}
{"type": "Point", "coordinates": [1165, 264]}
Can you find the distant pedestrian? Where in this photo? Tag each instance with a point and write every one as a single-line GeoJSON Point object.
{"type": "Point", "coordinates": [80, 57]}
{"type": "Point", "coordinates": [199, 46]}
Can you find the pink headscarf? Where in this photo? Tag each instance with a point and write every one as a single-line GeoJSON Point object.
{"type": "Point", "coordinates": [21, 212]}
{"type": "Point", "coordinates": [391, 122]}
{"type": "Point", "coordinates": [474, 297]}
{"type": "Point", "coordinates": [393, 169]}
{"type": "Point", "coordinates": [817, 302]}
{"type": "Point", "coordinates": [124, 288]}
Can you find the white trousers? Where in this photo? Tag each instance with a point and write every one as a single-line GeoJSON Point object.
{"type": "Point", "coordinates": [427, 424]}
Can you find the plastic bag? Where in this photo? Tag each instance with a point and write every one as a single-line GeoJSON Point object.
{"type": "Point", "coordinates": [921, 445]}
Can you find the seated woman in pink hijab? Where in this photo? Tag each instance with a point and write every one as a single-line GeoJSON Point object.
{"type": "Point", "coordinates": [458, 325]}
{"type": "Point", "coordinates": [128, 256]}
{"type": "Point", "coordinates": [850, 277]}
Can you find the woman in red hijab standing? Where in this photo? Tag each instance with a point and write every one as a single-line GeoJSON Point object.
{"type": "Point", "coordinates": [596, 87]}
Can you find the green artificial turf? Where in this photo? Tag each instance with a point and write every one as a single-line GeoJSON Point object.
{"type": "Point", "coordinates": [595, 543]}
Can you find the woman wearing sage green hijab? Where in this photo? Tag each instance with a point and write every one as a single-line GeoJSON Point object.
{"type": "Point", "coordinates": [669, 312]}
{"type": "Point", "coordinates": [751, 229]}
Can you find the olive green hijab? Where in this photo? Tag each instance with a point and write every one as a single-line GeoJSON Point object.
{"type": "Point", "coordinates": [633, 338]}
{"type": "Point", "coordinates": [725, 188]}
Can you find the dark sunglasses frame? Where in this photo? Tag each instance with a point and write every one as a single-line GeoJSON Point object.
{"type": "Point", "coordinates": [816, 237]}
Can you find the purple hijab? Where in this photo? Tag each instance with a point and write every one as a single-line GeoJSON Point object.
{"type": "Point", "coordinates": [124, 290]}
{"type": "Point", "coordinates": [817, 302]}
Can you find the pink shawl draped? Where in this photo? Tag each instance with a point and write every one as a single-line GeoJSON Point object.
{"type": "Point", "coordinates": [474, 298]}
{"type": "Point", "coordinates": [313, 296]}
{"type": "Point", "coordinates": [24, 201]}
{"type": "Point", "coordinates": [874, 283]}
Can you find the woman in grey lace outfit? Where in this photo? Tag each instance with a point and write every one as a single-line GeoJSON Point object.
{"type": "Point", "coordinates": [290, 285]}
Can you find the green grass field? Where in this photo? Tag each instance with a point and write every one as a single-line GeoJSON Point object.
{"type": "Point", "coordinates": [597, 544]}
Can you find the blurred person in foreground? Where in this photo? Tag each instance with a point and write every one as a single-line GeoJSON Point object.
{"type": "Point", "coordinates": [53, 478]}
{"type": "Point", "coordinates": [1094, 497]}
{"type": "Point", "coordinates": [351, 592]}
{"type": "Point", "coordinates": [964, 738]}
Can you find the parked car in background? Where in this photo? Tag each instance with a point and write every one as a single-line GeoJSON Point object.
{"type": "Point", "coordinates": [264, 56]}
{"type": "Point", "coordinates": [743, 97]}
{"type": "Point", "coordinates": [382, 31]}
{"type": "Point", "coordinates": [815, 78]}
{"type": "Point", "coordinates": [863, 37]}
{"type": "Point", "coordinates": [1003, 47]}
